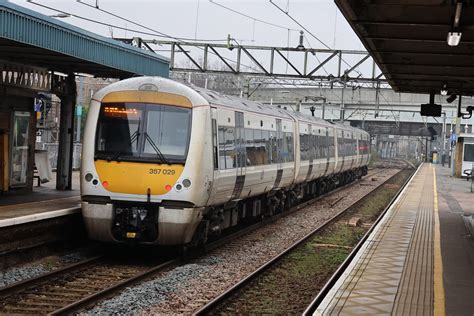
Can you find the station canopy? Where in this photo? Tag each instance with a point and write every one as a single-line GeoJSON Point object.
{"type": "Point", "coordinates": [408, 40]}
{"type": "Point", "coordinates": [30, 38]}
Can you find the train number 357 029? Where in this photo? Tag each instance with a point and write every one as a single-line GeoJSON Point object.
{"type": "Point", "coordinates": [168, 172]}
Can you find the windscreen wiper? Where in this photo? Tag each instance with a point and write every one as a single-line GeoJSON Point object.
{"type": "Point", "coordinates": [160, 155]}
{"type": "Point", "coordinates": [133, 138]}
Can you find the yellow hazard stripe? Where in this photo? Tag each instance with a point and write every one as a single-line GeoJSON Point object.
{"type": "Point", "coordinates": [439, 298]}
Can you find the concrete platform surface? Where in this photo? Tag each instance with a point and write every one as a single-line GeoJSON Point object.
{"type": "Point", "coordinates": [419, 260]}
{"type": "Point", "coordinates": [43, 203]}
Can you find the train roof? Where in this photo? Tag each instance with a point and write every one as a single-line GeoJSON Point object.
{"type": "Point", "coordinates": [214, 97]}
{"type": "Point", "coordinates": [311, 119]}
{"type": "Point", "coordinates": [198, 96]}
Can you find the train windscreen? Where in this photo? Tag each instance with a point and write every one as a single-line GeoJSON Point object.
{"type": "Point", "coordinates": [143, 132]}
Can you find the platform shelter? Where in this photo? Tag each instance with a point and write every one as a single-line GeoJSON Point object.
{"type": "Point", "coordinates": [41, 54]}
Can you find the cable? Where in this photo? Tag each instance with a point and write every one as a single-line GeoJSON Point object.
{"type": "Point", "coordinates": [250, 17]}
{"type": "Point", "coordinates": [141, 32]}
{"type": "Point", "coordinates": [166, 35]}
{"type": "Point", "coordinates": [127, 29]}
{"type": "Point", "coordinates": [145, 27]}
{"type": "Point", "coordinates": [309, 44]}
{"type": "Point", "coordinates": [156, 33]}
{"type": "Point", "coordinates": [304, 28]}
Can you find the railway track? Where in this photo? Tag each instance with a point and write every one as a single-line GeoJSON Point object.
{"type": "Point", "coordinates": [74, 287]}
{"type": "Point", "coordinates": [214, 306]}
{"type": "Point", "coordinates": [83, 284]}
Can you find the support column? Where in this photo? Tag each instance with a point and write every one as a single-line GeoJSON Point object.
{"type": "Point", "coordinates": [68, 96]}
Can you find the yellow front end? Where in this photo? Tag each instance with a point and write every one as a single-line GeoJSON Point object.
{"type": "Point", "coordinates": [138, 178]}
{"type": "Point", "coordinates": [134, 156]}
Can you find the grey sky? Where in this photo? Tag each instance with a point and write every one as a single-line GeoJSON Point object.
{"type": "Point", "coordinates": [180, 17]}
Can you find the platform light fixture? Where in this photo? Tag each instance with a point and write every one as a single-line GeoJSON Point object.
{"type": "Point", "coordinates": [444, 90]}
{"type": "Point", "coordinates": [454, 38]}
{"type": "Point", "coordinates": [454, 35]}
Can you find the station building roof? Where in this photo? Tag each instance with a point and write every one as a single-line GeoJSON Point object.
{"type": "Point", "coordinates": [30, 38]}
{"type": "Point", "coordinates": [408, 41]}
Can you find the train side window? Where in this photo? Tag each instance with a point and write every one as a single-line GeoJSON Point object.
{"type": "Point", "coordinates": [268, 147]}
{"type": "Point", "coordinates": [291, 146]}
{"type": "Point", "coordinates": [274, 147]}
{"type": "Point", "coordinates": [251, 148]}
{"type": "Point", "coordinates": [303, 149]}
{"type": "Point", "coordinates": [227, 153]}
{"type": "Point", "coordinates": [222, 158]}
{"type": "Point", "coordinates": [261, 157]}
{"type": "Point", "coordinates": [340, 146]}
{"type": "Point", "coordinates": [287, 147]}
{"type": "Point", "coordinates": [322, 146]}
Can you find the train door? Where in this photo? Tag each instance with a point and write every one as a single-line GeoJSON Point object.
{"type": "Point", "coordinates": [310, 151]}
{"type": "Point", "coordinates": [225, 164]}
{"type": "Point", "coordinates": [327, 152]}
{"type": "Point", "coordinates": [279, 144]}
{"type": "Point", "coordinates": [240, 152]}
{"type": "Point", "coordinates": [215, 148]}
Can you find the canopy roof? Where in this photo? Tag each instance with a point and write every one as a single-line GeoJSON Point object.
{"type": "Point", "coordinates": [34, 39]}
{"type": "Point", "coordinates": [408, 40]}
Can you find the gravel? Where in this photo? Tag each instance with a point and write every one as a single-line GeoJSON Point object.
{"type": "Point", "coordinates": [45, 265]}
{"type": "Point", "coordinates": [139, 298]}
{"type": "Point", "coordinates": [186, 288]}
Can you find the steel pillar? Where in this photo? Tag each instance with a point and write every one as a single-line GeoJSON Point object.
{"type": "Point", "coordinates": [68, 96]}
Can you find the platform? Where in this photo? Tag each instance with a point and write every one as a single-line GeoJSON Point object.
{"type": "Point", "coordinates": [45, 202]}
{"type": "Point", "coordinates": [419, 259]}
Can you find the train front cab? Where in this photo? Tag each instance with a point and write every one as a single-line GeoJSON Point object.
{"type": "Point", "coordinates": [135, 182]}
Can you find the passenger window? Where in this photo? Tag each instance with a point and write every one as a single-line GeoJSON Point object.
{"type": "Point", "coordinates": [227, 153]}
{"type": "Point", "coordinates": [268, 147]}
{"type": "Point", "coordinates": [287, 147]}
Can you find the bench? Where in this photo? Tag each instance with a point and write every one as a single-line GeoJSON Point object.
{"type": "Point", "coordinates": [470, 177]}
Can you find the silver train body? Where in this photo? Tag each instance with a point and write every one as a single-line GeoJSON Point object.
{"type": "Point", "coordinates": [168, 164]}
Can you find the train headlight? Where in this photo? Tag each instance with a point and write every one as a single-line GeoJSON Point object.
{"type": "Point", "coordinates": [179, 187]}
{"type": "Point", "coordinates": [88, 177]}
{"type": "Point", "coordinates": [186, 183]}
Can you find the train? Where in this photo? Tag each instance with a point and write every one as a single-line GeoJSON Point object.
{"type": "Point", "coordinates": [170, 164]}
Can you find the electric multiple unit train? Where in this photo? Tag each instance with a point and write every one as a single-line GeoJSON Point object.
{"type": "Point", "coordinates": [164, 163]}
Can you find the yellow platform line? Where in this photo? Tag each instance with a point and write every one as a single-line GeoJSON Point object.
{"type": "Point", "coordinates": [439, 298]}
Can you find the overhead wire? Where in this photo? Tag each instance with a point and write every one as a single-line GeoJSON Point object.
{"type": "Point", "coordinates": [155, 33]}
{"type": "Point", "coordinates": [181, 40]}
{"type": "Point", "coordinates": [251, 17]}
{"type": "Point", "coordinates": [309, 32]}
{"type": "Point", "coordinates": [120, 17]}
{"type": "Point", "coordinates": [153, 30]}
{"type": "Point", "coordinates": [301, 25]}
{"type": "Point", "coordinates": [309, 44]}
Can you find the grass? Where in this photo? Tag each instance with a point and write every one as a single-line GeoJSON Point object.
{"type": "Point", "coordinates": [288, 287]}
